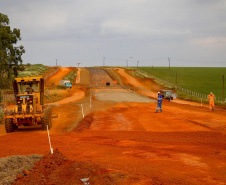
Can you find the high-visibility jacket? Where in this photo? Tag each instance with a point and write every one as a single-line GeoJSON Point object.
{"type": "Point", "coordinates": [211, 97]}
{"type": "Point", "coordinates": [211, 100]}
{"type": "Point", "coordinates": [159, 98]}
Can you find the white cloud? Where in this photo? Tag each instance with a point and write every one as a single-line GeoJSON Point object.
{"type": "Point", "coordinates": [210, 42]}
{"type": "Point", "coordinates": [138, 28]}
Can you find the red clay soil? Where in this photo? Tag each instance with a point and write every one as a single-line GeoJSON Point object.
{"type": "Point", "coordinates": [55, 79]}
{"type": "Point", "coordinates": [55, 167]}
{"type": "Point", "coordinates": [126, 143]}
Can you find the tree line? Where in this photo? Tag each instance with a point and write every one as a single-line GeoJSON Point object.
{"type": "Point", "coordinates": [10, 55]}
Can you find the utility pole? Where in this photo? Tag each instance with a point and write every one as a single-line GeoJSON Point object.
{"type": "Point", "coordinates": [131, 58]}
{"type": "Point", "coordinates": [152, 72]}
{"type": "Point", "coordinates": [169, 63]}
{"type": "Point", "coordinates": [137, 64]}
{"type": "Point", "coordinates": [223, 88]}
{"type": "Point", "coordinates": [103, 61]}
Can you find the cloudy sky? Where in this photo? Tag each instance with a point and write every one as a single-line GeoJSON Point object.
{"type": "Point", "coordinates": [120, 32]}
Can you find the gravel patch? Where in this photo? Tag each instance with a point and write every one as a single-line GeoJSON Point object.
{"type": "Point", "coordinates": [120, 95]}
{"type": "Point", "coordinates": [10, 167]}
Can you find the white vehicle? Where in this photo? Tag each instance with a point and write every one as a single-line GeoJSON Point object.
{"type": "Point", "coordinates": [65, 83]}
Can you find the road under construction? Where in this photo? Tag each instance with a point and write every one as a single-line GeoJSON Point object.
{"type": "Point", "coordinates": [116, 131]}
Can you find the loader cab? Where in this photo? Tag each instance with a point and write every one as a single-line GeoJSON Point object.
{"type": "Point", "coordinates": [29, 87]}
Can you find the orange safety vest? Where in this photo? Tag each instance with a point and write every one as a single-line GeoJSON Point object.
{"type": "Point", "coordinates": [211, 99]}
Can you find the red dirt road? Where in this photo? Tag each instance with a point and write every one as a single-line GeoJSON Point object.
{"type": "Point", "coordinates": [55, 79]}
{"type": "Point", "coordinates": [128, 143]}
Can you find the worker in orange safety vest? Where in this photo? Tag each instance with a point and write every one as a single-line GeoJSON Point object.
{"type": "Point", "coordinates": [211, 99]}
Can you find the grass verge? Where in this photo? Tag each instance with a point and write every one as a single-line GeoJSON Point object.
{"type": "Point", "coordinates": [1, 115]}
{"type": "Point", "coordinates": [54, 95]}
{"type": "Point", "coordinates": [198, 79]}
{"type": "Point", "coordinates": [71, 76]}
{"type": "Point", "coordinates": [198, 84]}
{"type": "Point", "coordinates": [34, 70]}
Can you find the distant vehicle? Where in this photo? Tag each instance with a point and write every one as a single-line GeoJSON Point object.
{"type": "Point", "coordinates": [65, 83]}
{"type": "Point", "coordinates": [167, 94]}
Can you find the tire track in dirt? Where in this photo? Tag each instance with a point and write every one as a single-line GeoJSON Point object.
{"type": "Point", "coordinates": [129, 138]}
{"type": "Point", "coordinates": [99, 75]}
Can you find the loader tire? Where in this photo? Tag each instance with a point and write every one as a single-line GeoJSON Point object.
{"type": "Point", "coordinates": [9, 127]}
{"type": "Point", "coordinates": [47, 119]}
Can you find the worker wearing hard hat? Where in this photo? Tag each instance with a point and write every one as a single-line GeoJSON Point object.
{"type": "Point", "coordinates": [159, 102]}
{"type": "Point", "coordinates": [211, 99]}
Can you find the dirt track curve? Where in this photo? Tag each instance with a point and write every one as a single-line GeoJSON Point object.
{"type": "Point", "coordinates": [121, 140]}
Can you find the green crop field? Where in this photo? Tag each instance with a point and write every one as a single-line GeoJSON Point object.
{"type": "Point", "coordinates": [198, 79]}
{"type": "Point", "coordinates": [33, 70]}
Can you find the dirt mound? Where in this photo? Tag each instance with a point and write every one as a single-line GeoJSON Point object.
{"type": "Point", "coordinates": [10, 167]}
{"type": "Point", "coordinates": [57, 169]}
{"type": "Point", "coordinates": [85, 123]}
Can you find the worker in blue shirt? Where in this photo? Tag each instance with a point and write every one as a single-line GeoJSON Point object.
{"type": "Point", "coordinates": [159, 102]}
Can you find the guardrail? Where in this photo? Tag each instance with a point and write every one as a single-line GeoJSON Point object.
{"type": "Point", "coordinates": [180, 89]}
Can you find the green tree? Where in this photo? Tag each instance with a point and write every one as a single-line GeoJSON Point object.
{"type": "Point", "coordinates": [10, 55]}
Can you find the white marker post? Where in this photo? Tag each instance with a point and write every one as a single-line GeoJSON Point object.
{"type": "Point", "coordinates": [82, 111]}
{"type": "Point", "coordinates": [90, 102]}
{"type": "Point", "coordinates": [90, 97]}
{"type": "Point", "coordinates": [51, 149]}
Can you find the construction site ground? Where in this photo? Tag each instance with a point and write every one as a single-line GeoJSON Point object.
{"type": "Point", "coordinates": [112, 135]}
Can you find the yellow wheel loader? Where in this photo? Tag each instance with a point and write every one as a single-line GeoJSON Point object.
{"type": "Point", "coordinates": [29, 109]}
